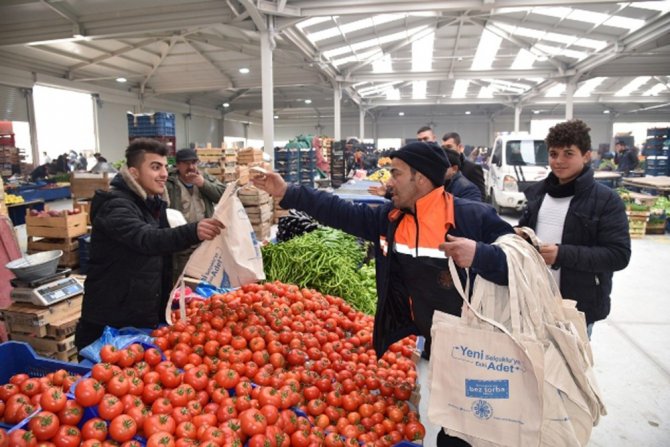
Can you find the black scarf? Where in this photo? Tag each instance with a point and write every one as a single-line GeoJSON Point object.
{"type": "Point", "coordinates": [556, 190]}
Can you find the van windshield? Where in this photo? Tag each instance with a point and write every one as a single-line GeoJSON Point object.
{"type": "Point", "coordinates": [527, 153]}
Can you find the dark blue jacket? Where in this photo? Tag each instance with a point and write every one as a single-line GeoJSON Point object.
{"type": "Point", "coordinates": [461, 187]}
{"type": "Point", "coordinates": [474, 220]}
{"type": "Point", "coordinates": [595, 242]}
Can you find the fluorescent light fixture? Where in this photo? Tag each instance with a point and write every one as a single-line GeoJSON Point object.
{"type": "Point", "coordinates": [536, 112]}
{"type": "Point", "coordinates": [383, 65]}
{"type": "Point", "coordinates": [587, 87]}
{"type": "Point", "coordinates": [655, 90]}
{"type": "Point", "coordinates": [460, 88]}
{"type": "Point", "coordinates": [488, 46]}
{"type": "Point", "coordinates": [467, 112]}
{"type": "Point", "coordinates": [276, 116]}
{"type": "Point", "coordinates": [308, 101]}
{"type": "Point", "coordinates": [606, 112]}
{"type": "Point", "coordinates": [226, 105]}
{"type": "Point", "coordinates": [524, 60]}
{"type": "Point", "coordinates": [121, 79]}
{"type": "Point", "coordinates": [555, 91]}
{"type": "Point", "coordinates": [401, 113]}
{"type": "Point", "coordinates": [633, 85]}
{"type": "Point", "coordinates": [244, 70]}
{"type": "Point", "coordinates": [419, 89]}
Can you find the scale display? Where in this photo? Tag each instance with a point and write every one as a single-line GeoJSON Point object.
{"type": "Point", "coordinates": [50, 293]}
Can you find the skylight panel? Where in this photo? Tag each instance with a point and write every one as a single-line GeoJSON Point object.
{"type": "Point", "coordinates": [393, 94]}
{"type": "Point", "coordinates": [386, 18]}
{"type": "Point", "coordinates": [582, 15]}
{"type": "Point", "coordinates": [655, 90]}
{"type": "Point", "coordinates": [624, 22]}
{"type": "Point", "coordinates": [383, 65]}
{"type": "Point", "coordinates": [501, 85]}
{"type": "Point", "coordinates": [560, 12]}
{"type": "Point", "coordinates": [357, 57]}
{"type": "Point", "coordinates": [376, 41]}
{"type": "Point", "coordinates": [422, 53]}
{"type": "Point", "coordinates": [324, 34]}
{"type": "Point", "coordinates": [419, 89]}
{"type": "Point", "coordinates": [554, 51]}
{"type": "Point", "coordinates": [489, 44]}
{"type": "Point", "coordinates": [663, 6]}
{"type": "Point", "coordinates": [523, 61]}
{"type": "Point", "coordinates": [633, 85]}
{"type": "Point", "coordinates": [347, 28]}
{"type": "Point", "coordinates": [314, 21]}
{"type": "Point", "coordinates": [590, 43]}
{"type": "Point", "coordinates": [587, 87]}
{"type": "Point", "coordinates": [460, 88]}
{"type": "Point", "coordinates": [485, 92]}
{"type": "Point", "coordinates": [377, 88]}
{"type": "Point", "coordinates": [555, 91]}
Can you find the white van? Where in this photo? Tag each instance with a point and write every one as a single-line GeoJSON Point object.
{"type": "Point", "coordinates": [518, 161]}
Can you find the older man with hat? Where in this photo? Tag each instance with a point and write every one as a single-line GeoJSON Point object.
{"type": "Point", "coordinates": [413, 235]}
{"type": "Point", "coordinates": [192, 192]}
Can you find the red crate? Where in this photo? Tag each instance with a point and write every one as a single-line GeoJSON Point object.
{"type": "Point", "coordinates": [7, 140]}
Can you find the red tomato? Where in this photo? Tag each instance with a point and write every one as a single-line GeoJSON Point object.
{"type": "Point", "coordinates": [94, 428]}
{"type": "Point", "coordinates": [67, 436]}
{"type": "Point", "coordinates": [53, 399]}
{"type": "Point", "coordinates": [118, 385]}
{"type": "Point", "coordinates": [102, 372]}
{"type": "Point", "coordinates": [30, 387]}
{"type": "Point", "coordinates": [89, 392]}
{"type": "Point", "coordinates": [109, 407]}
{"type": "Point", "coordinates": [159, 423]}
{"type": "Point", "coordinates": [414, 431]}
{"type": "Point", "coordinates": [17, 379]}
{"type": "Point", "coordinates": [22, 438]}
{"type": "Point", "coordinates": [252, 422]}
{"type": "Point", "coordinates": [44, 425]}
{"type": "Point", "coordinates": [71, 414]}
{"type": "Point", "coordinates": [122, 428]}
{"type": "Point", "coordinates": [160, 439]}
{"type": "Point", "coordinates": [109, 354]}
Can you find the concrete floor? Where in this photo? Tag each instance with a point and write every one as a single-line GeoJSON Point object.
{"type": "Point", "coordinates": [631, 350]}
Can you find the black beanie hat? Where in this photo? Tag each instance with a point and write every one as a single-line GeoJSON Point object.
{"type": "Point", "coordinates": [427, 158]}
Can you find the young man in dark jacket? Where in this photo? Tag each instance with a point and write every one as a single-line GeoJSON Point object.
{"type": "Point", "coordinates": [413, 237]}
{"type": "Point", "coordinates": [456, 183]}
{"type": "Point", "coordinates": [471, 171]}
{"type": "Point", "coordinates": [582, 224]}
{"type": "Point", "coordinates": [130, 267]}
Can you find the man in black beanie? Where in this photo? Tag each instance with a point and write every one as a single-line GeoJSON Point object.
{"type": "Point", "coordinates": [413, 237]}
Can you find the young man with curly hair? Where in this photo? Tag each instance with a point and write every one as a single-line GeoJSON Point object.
{"type": "Point", "coordinates": [582, 224]}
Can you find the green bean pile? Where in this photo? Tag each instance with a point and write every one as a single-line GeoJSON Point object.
{"type": "Point", "coordinates": [327, 260]}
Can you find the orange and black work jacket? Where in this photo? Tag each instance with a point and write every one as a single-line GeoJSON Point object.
{"type": "Point", "coordinates": [411, 271]}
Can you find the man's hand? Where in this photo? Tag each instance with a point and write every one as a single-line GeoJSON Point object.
{"type": "Point", "coordinates": [272, 183]}
{"type": "Point", "coordinates": [461, 249]}
{"type": "Point", "coordinates": [549, 253]}
{"type": "Point", "coordinates": [378, 190]}
{"type": "Point", "coordinates": [195, 178]}
{"type": "Point", "coordinates": [209, 228]}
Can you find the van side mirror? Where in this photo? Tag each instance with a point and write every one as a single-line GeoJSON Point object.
{"type": "Point", "coordinates": [495, 160]}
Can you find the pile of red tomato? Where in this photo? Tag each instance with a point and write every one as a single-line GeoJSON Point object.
{"type": "Point", "coordinates": [268, 365]}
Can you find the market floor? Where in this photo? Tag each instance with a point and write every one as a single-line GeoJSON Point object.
{"type": "Point", "coordinates": [630, 348]}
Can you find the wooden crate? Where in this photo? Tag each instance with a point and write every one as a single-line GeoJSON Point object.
{"type": "Point", "coordinates": [44, 344]}
{"type": "Point", "coordinates": [84, 184]}
{"type": "Point", "coordinates": [29, 315]}
{"type": "Point", "coordinates": [65, 356]}
{"type": "Point", "coordinates": [84, 206]}
{"type": "Point", "coordinates": [655, 228]}
{"type": "Point", "coordinates": [69, 259]}
{"type": "Point", "coordinates": [252, 196]}
{"type": "Point", "coordinates": [259, 214]}
{"type": "Point", "coordinates": [61, 227]}
{"type": "Point", "coordinates": [56, 329]}
{"type": "Point", "coordinates": [46, 244]}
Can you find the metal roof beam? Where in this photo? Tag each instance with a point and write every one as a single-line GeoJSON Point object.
{"type": "Point", "coordinates": [210, 61]}
{"type": "Point", "coordinates": [255, 14]}
{"type": "Point", "coordinates": [444, 75]}
{"type": "Point", "coordinates": [115, 53]}
{"type": "Point", "coordinates": [310, 8]}
{"type": "Point", "coordinates": [64, 11]}
{"type": "Point", "coordinates": [279, 8]}
{"type": "Point", "coordinates": [78, 57]}
{"type": "Point", "coordinates": [164, 54]}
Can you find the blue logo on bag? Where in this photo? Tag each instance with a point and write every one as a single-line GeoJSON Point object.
{"type": "Point", "coordinates": [487, 389]}
{"type": "Point", "coordinates": [482, 409]}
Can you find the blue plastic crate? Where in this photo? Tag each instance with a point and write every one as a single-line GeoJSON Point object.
{"type": "Point", "coordinates": [151, 125]}
{"type": "Point", "coordinates": [19, 357]}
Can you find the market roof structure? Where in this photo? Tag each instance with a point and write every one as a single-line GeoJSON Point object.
{"type": "Point", "coordinates": [483, 56]}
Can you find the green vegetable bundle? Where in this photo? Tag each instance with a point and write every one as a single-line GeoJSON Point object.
{"type": "Point", "coordinates": [327, 260]}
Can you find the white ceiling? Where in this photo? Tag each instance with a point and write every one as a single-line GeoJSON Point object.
{"type": "Point", "coordinates": [192, 50]}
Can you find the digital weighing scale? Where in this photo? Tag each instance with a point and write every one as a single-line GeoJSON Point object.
{"type": "Point", "coordinates": [48, 290]}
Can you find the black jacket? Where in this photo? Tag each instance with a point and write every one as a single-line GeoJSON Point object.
{"type": "Point", "coordinates": [393, 321]}
{"type": "Point", "coordinates": [463, 188]}
{"type": "Point", "coordinates": [595, 242]}
{"type": "Point", "coordinates": [129, 276]}
{"type": "Point", "coordinates": [474, 172]}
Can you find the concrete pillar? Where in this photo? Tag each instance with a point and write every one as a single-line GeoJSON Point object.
{"type": "Point", "coordinates": [361, 123]}
{"type": "Point", "coordinates": [30, 105]}
{"type": "Point", "coordinates": [517, 116]}
{"type": "Point", "coordinates": [337, 99]}
{"type": "Point", "coordinates": [267, 92]}
{"type": "Point", "coordinates": [569, 96]}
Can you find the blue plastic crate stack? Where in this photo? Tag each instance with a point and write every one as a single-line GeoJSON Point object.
{"type": "Point", "coordinates": [338, 174]}
{"type": "Point", "coordinates": [657, 151]}
{"type": "Point", "coordinates": [287, 163]}
{"type": "Point", "coordinates": [307, 163]}
{"type": "Point", "coordinates": [159, 126]}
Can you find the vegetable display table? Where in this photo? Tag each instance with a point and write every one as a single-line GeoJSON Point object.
{"type": "Point", "coordinates": [17, 211]}
{"type": "Point", "coordinates": [659, 184]}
